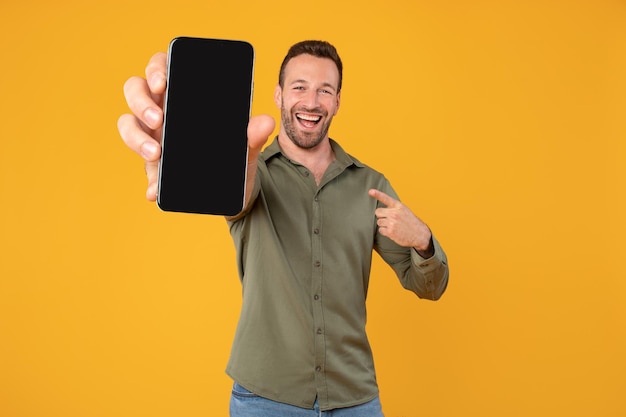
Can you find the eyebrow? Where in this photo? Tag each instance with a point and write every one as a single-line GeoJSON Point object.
{"type": "Point", "coordinates": [326, 84]}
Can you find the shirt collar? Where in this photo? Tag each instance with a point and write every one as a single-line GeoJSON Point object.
{"type": "Point", "coordinates": [341, 156]}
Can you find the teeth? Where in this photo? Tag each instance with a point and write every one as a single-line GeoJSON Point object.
{"type": "Point", "coordinates": [309, 118]}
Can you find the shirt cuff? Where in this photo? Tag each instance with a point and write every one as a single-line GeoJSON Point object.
{"type": "Point", "coordinates": [432, 263]}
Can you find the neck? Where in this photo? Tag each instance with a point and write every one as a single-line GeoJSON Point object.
{"type": "Point", "coordinates": [316, 159]}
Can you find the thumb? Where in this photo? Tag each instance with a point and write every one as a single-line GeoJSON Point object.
{"type": "Point", "coordinates": [259, 129]}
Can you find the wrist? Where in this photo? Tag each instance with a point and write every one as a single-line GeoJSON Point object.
{"type": "Point", "coordinates": [428, 251]}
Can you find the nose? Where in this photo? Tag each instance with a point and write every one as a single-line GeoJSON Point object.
{"type": "Point", "coordinates": [311, 99]}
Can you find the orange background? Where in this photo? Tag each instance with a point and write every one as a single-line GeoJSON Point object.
{"type": "Point", "coordinates": [501, 123]}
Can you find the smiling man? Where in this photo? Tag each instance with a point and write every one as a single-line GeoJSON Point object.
{"type": "Point", "coordinates": [313, 217]}
{"type": "Point", "coordinates": [311, 99]}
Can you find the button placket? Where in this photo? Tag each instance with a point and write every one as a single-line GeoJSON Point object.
{"type": "Point", "coordinates": [316, 288]}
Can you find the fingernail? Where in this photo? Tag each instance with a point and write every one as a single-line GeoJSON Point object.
{"type": "Point", "coordinates": [151, 192]}
{"type": "Point", "coordinates": [152, 117]}
{"type": "Point", "coordinates": [148, 149]}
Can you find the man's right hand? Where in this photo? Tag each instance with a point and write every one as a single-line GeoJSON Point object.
{"type": "Point", "coordinates": [141, 130]}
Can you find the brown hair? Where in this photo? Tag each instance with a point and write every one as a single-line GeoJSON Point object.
{"type": "Point", "coordinates": [320, 49]}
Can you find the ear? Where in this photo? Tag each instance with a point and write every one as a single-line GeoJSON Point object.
{"type": "Point", "coordinates": [278, 96]}
{"type": "Point", "coordinates": [338, 103]}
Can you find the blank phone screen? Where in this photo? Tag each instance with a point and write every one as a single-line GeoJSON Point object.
{"type": "Point", "coordinates": [204, 142]}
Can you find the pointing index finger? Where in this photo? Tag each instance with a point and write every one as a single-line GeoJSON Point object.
{"type": "Point", "coordinates": [382, 197]}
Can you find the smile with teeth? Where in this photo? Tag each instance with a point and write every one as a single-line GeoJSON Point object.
{"type": "Point", "coordinates": [308, 120]}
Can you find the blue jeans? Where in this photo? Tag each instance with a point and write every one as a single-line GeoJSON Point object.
{"type": "Point", "coordinates": [243, 403]}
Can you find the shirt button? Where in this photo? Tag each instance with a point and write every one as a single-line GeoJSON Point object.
{"type": "Point", "coordinates": [306, 173]}
{"type": "Point", "coordinates": [316, 297]}
{"type": "Point", "coordinates": [319, 331]}
{"type": "Point", "coordinates": [316, 231]}
{"type": "Point", "coordinates": [318, 368]}
{"type": "Point", "coordinates": [317, 263]}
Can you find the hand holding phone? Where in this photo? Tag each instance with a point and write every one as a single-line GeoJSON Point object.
{"type": "Point", "coordinates": [141, 129]}
{"type": "Point", "coordinates": [206, 113]}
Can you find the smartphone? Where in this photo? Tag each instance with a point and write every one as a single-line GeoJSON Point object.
{"type": "Point", "coordinates": [206, 112]}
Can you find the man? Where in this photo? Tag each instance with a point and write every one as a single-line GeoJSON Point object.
{"type": "Point", "coordinates": [312, 218]}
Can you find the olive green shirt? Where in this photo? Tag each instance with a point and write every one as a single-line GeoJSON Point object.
{"type": "Point", "coordinates": [304, 255]}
